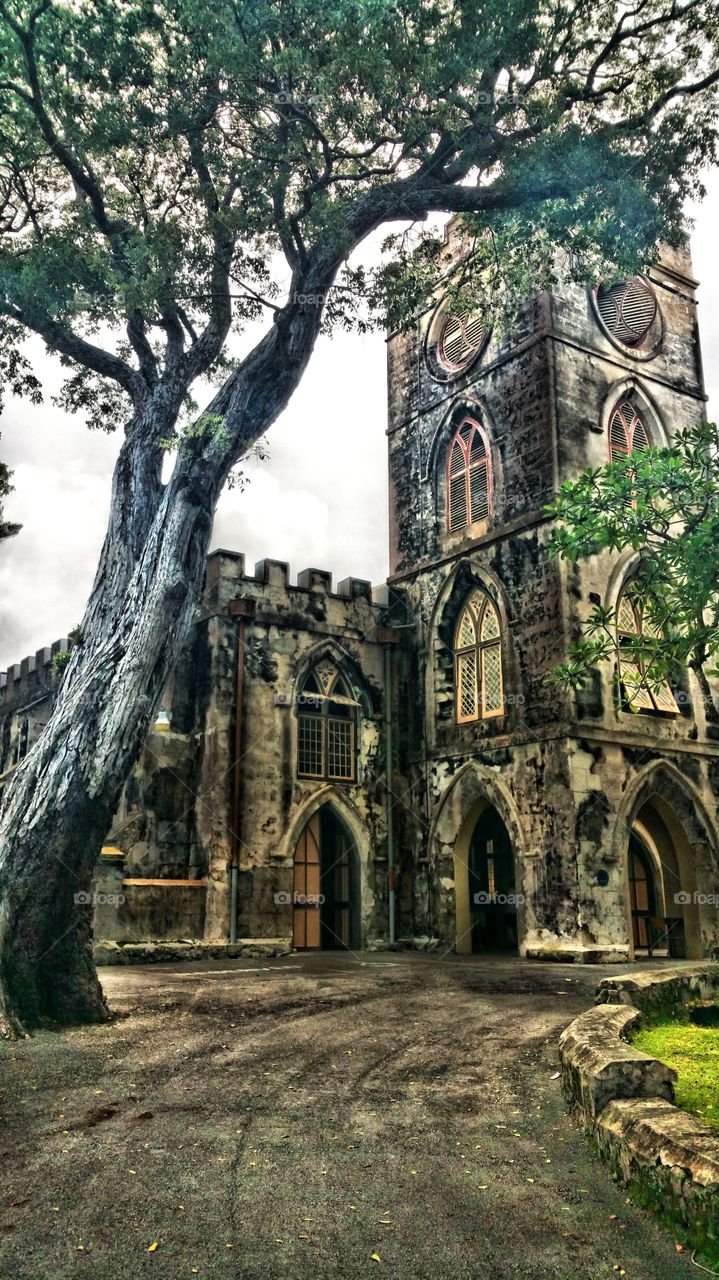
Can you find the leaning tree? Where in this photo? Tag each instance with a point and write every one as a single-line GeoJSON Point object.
{"type": "Point", "coordinates": [171, 170]}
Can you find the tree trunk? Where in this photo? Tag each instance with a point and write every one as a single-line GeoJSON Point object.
{"type": "Point", "coordinates": [60, 802]}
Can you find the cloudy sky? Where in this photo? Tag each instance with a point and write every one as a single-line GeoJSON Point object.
{"type": "Point", "coordinates": [320, 498]}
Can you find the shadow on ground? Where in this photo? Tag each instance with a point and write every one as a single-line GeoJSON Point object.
{"type": "Point", "coordinates": [293, 1118]}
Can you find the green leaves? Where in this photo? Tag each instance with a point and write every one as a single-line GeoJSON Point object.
{"type": "Point", "coordinates": [665, 505]}
{"type": "Point", "coordinates": [6, 530]}
{"type": "Point", "coordinates": [171, 170]}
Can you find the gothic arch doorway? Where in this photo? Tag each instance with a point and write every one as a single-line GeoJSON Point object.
{"type": "Point", "coordinates": [659, 873]}
{"type": "Point", "coordinates": [492, 885]}
{"type": "Point", "coordinates": [325, 912]}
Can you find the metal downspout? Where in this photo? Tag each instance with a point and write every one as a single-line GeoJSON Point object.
{"type": "Point", "coordinates": [392, 897]}
{"type": "Point", "coordinates": [237, 780]}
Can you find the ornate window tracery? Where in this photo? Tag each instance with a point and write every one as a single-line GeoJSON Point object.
{"type": "Point", "coordinates": [640, 693]}
{"type": "Point", "coordinates": [326, 725]}
{"type": "Point", "coordinates": [478, 660]}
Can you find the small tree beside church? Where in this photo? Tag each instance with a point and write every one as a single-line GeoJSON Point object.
{"type": "Point", "coordinates": [170, 172]}
{"type": "Point", "coordinates": [663, 503]}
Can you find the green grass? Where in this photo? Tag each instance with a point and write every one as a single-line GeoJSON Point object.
{"type": "Point", "coordinates": [694, 1054]}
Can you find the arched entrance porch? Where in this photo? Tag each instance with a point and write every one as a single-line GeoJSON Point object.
{"type": "Point", "coordinates": [666, 813]}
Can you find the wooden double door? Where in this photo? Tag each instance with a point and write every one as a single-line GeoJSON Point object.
{"type": "Point", "coordinates": [325, 913]}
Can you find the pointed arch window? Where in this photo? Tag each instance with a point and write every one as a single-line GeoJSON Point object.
{"type": "Point", "coordinates": [478, 660]}
{"type": "Point", "coordinates": [640, 694]}
{"type": "Point", "coordinates": [469, 480]}
{"type": "Point", "coordinates": [326, 725]}
{"type": "Point", "coordinates": [627, 432]}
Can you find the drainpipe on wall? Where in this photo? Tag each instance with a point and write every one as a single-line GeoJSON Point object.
{"type": "Point", "coordinates": [241, 608]}
{"type": "Point", "coordinates": [390, 797]}
{"type": "Point", "coordinates": [388, 636]}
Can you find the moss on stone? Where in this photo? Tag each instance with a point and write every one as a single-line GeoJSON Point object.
{"type": "Point", "coordinates": [694, 1053]}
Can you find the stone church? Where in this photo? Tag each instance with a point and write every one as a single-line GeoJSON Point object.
{"type": "Point", "coordinates": [349, 767]}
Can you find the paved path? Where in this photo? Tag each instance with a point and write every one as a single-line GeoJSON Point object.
{"type": "Point", "coordinates": [291, 1118]}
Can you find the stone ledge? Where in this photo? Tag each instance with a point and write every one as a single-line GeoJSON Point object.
{"type": "Point", "coordinates": [598, 1065]}
{"type": "Point", "coordinates": [111, 953]}
{"type": "Point", "coordinates": [659, 989]}
{"type": "Point", "coordinates": [672, 1156]}
{"type": "Point", "coordinates": [568, 953]}
{"type": "Point", "coordinates": [626, 1098]}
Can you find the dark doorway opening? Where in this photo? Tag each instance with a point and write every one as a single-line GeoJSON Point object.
{"type": "Point", "coordinates": [492, 892]}
{"type": "Point", "coordinates": [337, 884]}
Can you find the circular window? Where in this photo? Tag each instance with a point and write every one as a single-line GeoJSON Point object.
{"type": "Point", "coordinates": [454, 341]}
{"type": "Point", "coordinates": [630, 314]}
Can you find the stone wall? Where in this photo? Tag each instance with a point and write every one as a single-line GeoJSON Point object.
{"type": "Point", "coordinates": [626, 1100]}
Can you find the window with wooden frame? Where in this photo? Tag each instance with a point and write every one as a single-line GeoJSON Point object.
{"type": "Point", "coordinates": [469, 478]}
{"type": "Point", "coordinates": [628, 310]}
{"type": "Point", "coordinates": [326, 726]}
{"type": "Point", "coordinates": [478, 661]}
{"type": "Point", "coordinates": [639, 693]}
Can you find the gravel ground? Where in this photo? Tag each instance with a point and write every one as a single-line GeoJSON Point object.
{"type": "Point", "coordinates": [315, 1118]}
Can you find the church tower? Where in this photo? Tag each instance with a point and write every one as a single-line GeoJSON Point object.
{"type": "Point", "coordinates": [557, 825]}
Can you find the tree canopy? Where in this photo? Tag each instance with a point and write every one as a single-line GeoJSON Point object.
{"type": "Point", "coordinates": [172, 170]}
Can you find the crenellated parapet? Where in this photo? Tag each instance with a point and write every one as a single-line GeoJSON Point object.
{"type": "Point", "coordinates": [271, 589]}
{"type": "Point", "coordinates": [35, 677]}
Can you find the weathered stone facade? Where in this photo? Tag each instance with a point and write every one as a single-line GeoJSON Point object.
{"type": "Point", "coordinates": [542, 788]}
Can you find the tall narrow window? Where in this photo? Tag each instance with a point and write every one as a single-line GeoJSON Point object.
{"type": "Point", "coordinates": [326, 726]}
{"type": "Point", "coordinates": [627, 432]}
{"type": "Point", "coordinates": [478, 660]}
{"type": "Point", "coordinates": [468, 478]}
{"type": "Point", "coordinates": [640, 693]}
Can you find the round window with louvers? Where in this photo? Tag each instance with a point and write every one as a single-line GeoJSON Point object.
{"type": "Point", "coordinates": [455, 339]}
{"type": "Point", "coordinates": [629, 314]}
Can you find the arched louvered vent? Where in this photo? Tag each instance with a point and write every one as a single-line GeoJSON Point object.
{"type": "Point", "coordinates": [628, 310]}
{"type": "Point", "coordinates": [627, 432]}
{"type": "Point", "coordinates": [468, 478]}
{"type": "Point", "coordinates": [461, 337]}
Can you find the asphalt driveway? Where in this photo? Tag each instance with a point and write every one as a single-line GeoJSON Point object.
{"type": "Point", "coordinates": [315, 1118]}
